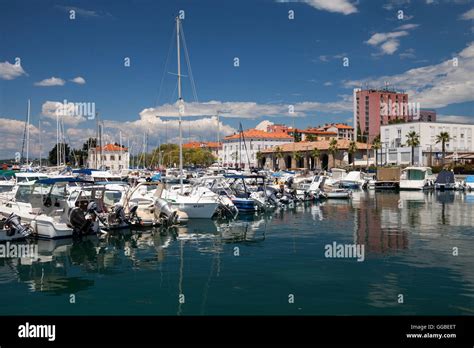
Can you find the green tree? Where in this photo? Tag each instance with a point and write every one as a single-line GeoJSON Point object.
{"type": "Point", "coordinates": [297, 157]}
{"type": "Point", "coordinates": [443, 138]}
{"type": "Point", "coordinates": [296, 136]}
{"type": "Point", "coordinates": [89, 144]}
{"type": "Point", "coordinates": [352, 150]}
{"type": "Point", "coordinates": [376, 145]}
{"type": "Point", "coordinates": [52, 156]}
{"type": "Point", "coordinates": [311, 137]}
{"type": "Point", "coordinates": [333, 148]}
{"type": "Point", "coordinates": [413, 140]}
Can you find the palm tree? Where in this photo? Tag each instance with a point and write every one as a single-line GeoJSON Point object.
{"type": "Point", "coordinates": [376, 145]}
{"type": "Point", "coordinates": [413, 140]}
{"type": "Point", "coordinates": [315, 155]}
{"type": "Point", "coordinates": [352, 150]}
{"type": "Point", "coordinates": [297, 156]}
{"type": "Point", "coordinates": [278, 154]}
{"type": "Point", "coordinates": [332, 150]}
{"type": "Point", "coordinates": [443, 138]}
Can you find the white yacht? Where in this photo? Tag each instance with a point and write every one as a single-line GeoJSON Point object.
{"type": "Point", "coordinates": [416, 178]}
{"type": "Point", "coordinates": [196, 205]}
{"type": "Point", "coordinates": [42, 205]}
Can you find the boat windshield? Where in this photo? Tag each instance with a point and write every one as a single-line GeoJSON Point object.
{"type": "Point", "coordinates": [112, 197]}
{"type": "Point", "coordinates": [415, 174]}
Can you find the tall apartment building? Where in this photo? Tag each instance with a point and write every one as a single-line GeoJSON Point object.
{"type": "Point", "coordinates": [376, 107]}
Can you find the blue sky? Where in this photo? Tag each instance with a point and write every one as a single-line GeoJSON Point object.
{"type": "Point", "coordinates": [282, 61]}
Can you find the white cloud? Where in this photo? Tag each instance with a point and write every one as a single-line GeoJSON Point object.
{"type": "Point", "coordinates": [51, 109]}
{"type": "Point", "coordinates": [327, 58]}
{"type": "Point", "coordinates": [390, 46]}
{"type": "Point", "coordinates": [52, 81]}
{"type": "Point", "coordinates": [388, 43]}
{"type": "Point", "coordinates": [455, 118]}
{"type": "Point", "coordinates": [409, 53]}
{"type": "Point", "coordinates": [328, 83]}
{"type": "Point", "coordinates": [407, 26]}
{"type": "Point", "coordinates": [250, 110]}
{"type": "Point", "coordinates": [81, 12]}
{"type": "Point", "coordinates": [468, 15]}
{"type": "Point", "coordinates": [345, 7]}
{"type": "Point", "coordinates": [10, 71]}
{"type": "Point", "coordinates": [434, 86]}
{"type": "Point", "coordinates": [391, 4]}
{"type": "Point", "coordinates": [11, 133]}
{"type": "Point", "coordinates": [263, 125]}
{"type": "Point", "coordinates": [378, 38]}
{"type": "Point", "coordinates": [79, 80]}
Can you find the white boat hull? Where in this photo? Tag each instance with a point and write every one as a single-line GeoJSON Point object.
{"type": "Point", "coordinates": [414, 184]}
{"type": "Point", "coordinates": [198, 210]}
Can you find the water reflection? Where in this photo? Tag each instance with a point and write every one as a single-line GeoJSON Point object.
{"type": "Point", "coordinates": [415, 231]}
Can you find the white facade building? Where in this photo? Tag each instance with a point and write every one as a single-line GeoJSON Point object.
{"type": "Point", "coordinates": [395, 150]}
{"type": "Point", "coordinates": [113, 157]}
{"type": "Point", "coordinates": [236, 152]}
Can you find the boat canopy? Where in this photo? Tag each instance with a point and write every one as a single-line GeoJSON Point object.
{"type": "Point", "coordinates": [84, 171]}
{"type": "Point", "coordinates": [52, 181]}
{"type": "Point", "coordinates": [445, 177]}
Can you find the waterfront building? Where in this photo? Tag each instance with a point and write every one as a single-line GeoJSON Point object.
{"type": "Point", "coordinates": [395, 151]}
{"type": "Point", "coordinates": [311, 134]}
{"type": "Point", "coordinates": [212, 146]}
{"type": "Point", "coordinates": [302, 155]}
{"type": "Point", "coordinates": [376, 107]}
{"type": "Point", "coordinates": [114, 157]}
{"type": "Point", "coordinates": [342, 130]}
{"type": "Point", "coordinates": [240, 149]}
{"type": "Point", "coordinates": [427, 116]}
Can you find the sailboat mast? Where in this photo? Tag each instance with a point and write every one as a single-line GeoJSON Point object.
{"type": "Point", "coordinates": [218, 146]}
{"type": "Point", "coordinates": [180, 101]}
{"type": "Point", "coordinates": [28, 135]}
{"type": "Point", "coordinates": [40, 144]}
{"type": "Point", "coordinates": [57, 139]}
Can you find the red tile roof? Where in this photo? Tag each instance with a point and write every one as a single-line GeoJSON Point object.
{"type": "Point", "coordinates": [343, 126]}
{"type": "Point", "coordinates": [259, 134]}
{"type": "Point", "coordinates": [315, 132]}
{"type": "Point", "coordinates": [198, 145]}
{"type": "Point", "coordinates": [111, 147]}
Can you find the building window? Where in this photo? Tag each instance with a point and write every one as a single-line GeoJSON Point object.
{"type": "Point", "coordinates": [112, 157]}
{"type": "Point", "coordinates": [120, 158]}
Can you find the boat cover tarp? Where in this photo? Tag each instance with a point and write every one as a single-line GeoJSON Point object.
{"type": "Point", "coordinates": [445, 177]}
{"type": "Point", "coordinates": [470, 178]}
{"type": "Point", "coordinates": [52, 181]}
{"type": "Point", "coordinates": [85, 171]}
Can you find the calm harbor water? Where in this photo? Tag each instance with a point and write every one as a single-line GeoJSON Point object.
{"type": "Point", "coordinates": [408, 239]}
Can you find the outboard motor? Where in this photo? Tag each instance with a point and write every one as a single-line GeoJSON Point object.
{"type": "Point", "coordinates": [78, 221]}
{"type": "Point", "coordinates": [13, 226]}
{"type": "Point", "coordinates": [119, 214]}
{"type": "Point", "coordinates": [164, 214]}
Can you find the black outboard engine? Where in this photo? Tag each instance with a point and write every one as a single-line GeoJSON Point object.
{"type": "Point", "coordinates": [119, 214]}
{"type": "Point", "coordinates": [79, 222]}
{"type": "Point", "coordinates": [12, 226]}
